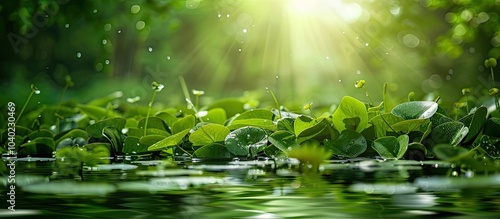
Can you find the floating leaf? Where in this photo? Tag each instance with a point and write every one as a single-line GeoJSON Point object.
{"type": "Point", "coordinates": [448, 152]}
{"type": "Point", "coordinates": [415, 110]}
{"type": "Point", "coordinates": [246, 141]}
{"type": "Point", "coordinates": [449, 133]}
{"type": "Point", "coordinates": [215, 150]}
{"type": "Point", "coordinates": [96, 129]}
{"type": "Point", "coordinates": [349, 144]}
{"type": "Point", "coordinates": [132, 145]}
{"type": "Point", "coordinates": [283, 140]}
{"type": "Point", "coordinates": [187, 122]}
{"type": "Point", "coordinates": [169, 141]}
{"type": "Point", "coordinates": [390, 147]}
{"type": "Point", "coordinates": [351, 114]}
{"type": "Point", "coordinates": [208, 134]}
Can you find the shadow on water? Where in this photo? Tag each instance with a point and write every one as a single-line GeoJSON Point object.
{"type": "Point", "coordinates": [252, 189]}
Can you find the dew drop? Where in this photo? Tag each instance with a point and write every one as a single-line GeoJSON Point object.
{"type": "Point", "coordinates": [219, 15]}
{"type": "Point", "coordinates": [104, 42]}
{"type": "Point", "coordinates": [367, 44]}
{"type": "Point", "coordinates": [78, 55]}
{"type": "Point", "coordinates": [328, 57]}
{"type": "Point", "coordinates": [277, 77]}
{"type": "Point", "coordinates": [239, 50]}
{"type": "Point", "coordinates": [95, 11]}
{"type": "Point", "coordinates": [245, 30]}
{"type": "Point", "coordinates": [150, 49]}
{"type": "Point", "coordinates": [358, 72]}
{"type": "Point", "coordinates": [227, 15]}
{"type": "Point", "coordinates": [66, 25]}
{"type": "Point", "coordinates": [340, 81]}
{"type": "Point", "coordinates": [106, 61]}
{"type": "Point", "coordinates": [168, 57]}
{"type": "Point", "coordinates": [119, 31]}
{"type": "Point", "coordinates": [37, 91]}
{"type": "Point", "coordinates": [448, 77]}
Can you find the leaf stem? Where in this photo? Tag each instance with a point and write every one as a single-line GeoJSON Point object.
{"type": "Point", "coordinates": [150, 106]}
{"type": "Point", "coordinates": [24, 107]}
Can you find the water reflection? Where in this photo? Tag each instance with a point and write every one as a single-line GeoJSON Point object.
{"type": "Point", "coordinates": [250, 189]}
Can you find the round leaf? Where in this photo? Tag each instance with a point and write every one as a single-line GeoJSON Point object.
{"type": "Point", "coordinates": [212, 151]}
{"type": "Point", "coordinates": [208, 134]}
{"type": "Point", "coordinates": [351, 114]}
{"type": "Point", "coordinates": [246, 140]}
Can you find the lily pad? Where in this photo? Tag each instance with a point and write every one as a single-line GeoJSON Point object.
{"type": "Point", "coordinates": [246, 141]}
{"type": "Point", "coordinates": [415, 110]}
{"type": "Point", "coordinates": [208, 134]}
{"type": "Point", "coordinates": [350, 144]}
{"type": "Point", "coordinates": [390, 147]}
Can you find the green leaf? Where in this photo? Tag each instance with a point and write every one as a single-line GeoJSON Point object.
{"type": "Point", "coordinates": [216, 115]}
{"type": "Point", "coordinates": [96, 129]}
{"type": "Point", "coordinates": [208, 134]}
{"type": "Point", "coordinates": [417, 151]}
{"type": "Point", "coordinates": [153, 122]}
{"type": "Point", "coordinates": [187, 122]}
{"type": "Point", "coordinates": [307, 130]}
{"type": "Point", "coordinates": [168, 118]}
{"type": "Point", "coordinates": [150, 139]}
{"type": "Point", "coordinates": [215, 150]}
{"type": "Point", "coordinates": [132, 146]}
{"type": "Point", "coordinates": [41, 146]}
{"type": "Point", "coordinates": [491, 149]}
{"type": "Point", "coordinates": [407, 126]}
{"type": "Point", "coordinates": [351, 114]}
{"type": "Point", "coordinates": [169, 141]}
{"type": "Point", "coordinates": [286, 124]}
{"type": "Point", "coordinates": [492, 127]}
{"type": "Point", "coordinates": [106, 99]}
{"type": "Point", "coordinates": [255, 114]}
{"type": "Point", "coordinates": [475, 121]}
{"type": "Point", "coordinates": [448, 152]}
{"type": "Point", "coordinates": [40, 133]}
{"type": "Point", "coordinates": [261, 123]}
{"type": "Point", "coordinates": [390, 147]}
{"type": "Point", "coordinates": [449, 133]}
{"type": "Point", "coordinates": [115, 138]}
{"type": "Point", "coordinates": [349, 144]}
{"type": "Point", "coordinates": [96, 112]}
{"type": "Point", "coordinates": [415, 110]}
{"type": "Point", "coordinates": [310, 152]}
{"type": "Point", "coordinates": [283, 140]}
{"type": "Point", "coordinates": [230, 105]}
{"type": "Point", "coordinates": [246, 141]}
{"type": "Point", "coordinates": [439, 118]}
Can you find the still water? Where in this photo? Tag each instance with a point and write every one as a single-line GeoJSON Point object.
{"type": "Point", "coordinates": [359, 188]}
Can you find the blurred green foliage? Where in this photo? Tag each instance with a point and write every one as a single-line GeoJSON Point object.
{"type": "Point", "coordinates": [229, 46]}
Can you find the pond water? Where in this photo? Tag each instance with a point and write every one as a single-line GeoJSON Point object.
{"type": "Point", "coordinates": [359, 188]}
